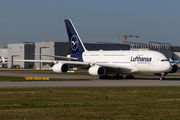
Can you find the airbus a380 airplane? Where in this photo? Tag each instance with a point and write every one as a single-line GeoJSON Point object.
{"type": "Point", "coordinates": [102, 63]}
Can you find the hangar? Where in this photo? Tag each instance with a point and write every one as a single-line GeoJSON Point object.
{"type": "Point", "coordinates": [23, 50]}
{"type": "Point", "coordinates": [164, 48]}
{"type": "Point", "coordinates": [176, 57]}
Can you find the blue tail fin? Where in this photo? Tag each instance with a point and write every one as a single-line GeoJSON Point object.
{"type": "Point", "coordinates": [74, 39]}
{"type": "Point", "coordinates": [77, 47]}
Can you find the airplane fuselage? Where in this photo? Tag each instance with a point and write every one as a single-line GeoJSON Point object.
{"type": "Point", "coordinates": [136, 61]}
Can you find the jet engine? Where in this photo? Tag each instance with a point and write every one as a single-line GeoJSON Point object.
{"type": "Point", "coordinates": [174, 68]}
{"type": "Point", "coordinates": [60, 68]}
{"type": "Point", "coordinates": [96, 70]}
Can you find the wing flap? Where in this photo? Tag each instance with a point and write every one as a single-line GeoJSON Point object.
{"type": "Point", "coordinates": [75, 63]}
{"type": "Point", "coordinates": [41, 61]}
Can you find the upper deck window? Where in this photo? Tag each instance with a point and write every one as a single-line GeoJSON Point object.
{"type": "Point", "coordinates": [94, 55]}
{"type": "Point", "coordinates": [114, 54]}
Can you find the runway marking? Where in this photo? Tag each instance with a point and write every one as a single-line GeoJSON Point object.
{"type": "Point", "coordinates": [28, 78]}
{"type": "Point", "coordinates": [36, 78]}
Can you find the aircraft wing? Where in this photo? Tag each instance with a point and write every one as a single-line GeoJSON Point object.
{"type": "Point", "coordinates": [48, 61]}
{"type": "Point", "coordinates": [73, 63]}
{"type": "Point", "coordinates": [62, 57]}
{"type": "Point", "coordinates": [108, 67]}
{"type": "Point", "coordinates": [113, 67]}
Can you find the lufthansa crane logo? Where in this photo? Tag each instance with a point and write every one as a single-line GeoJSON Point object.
{"type": "Point", "coordinates": [74, 42]}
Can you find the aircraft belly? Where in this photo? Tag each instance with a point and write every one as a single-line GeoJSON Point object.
{"type": "Point", "coordinates": [145, 68]}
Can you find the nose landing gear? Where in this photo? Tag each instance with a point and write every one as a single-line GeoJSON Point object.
{"type": "Point", "coordinates": [162, 76]}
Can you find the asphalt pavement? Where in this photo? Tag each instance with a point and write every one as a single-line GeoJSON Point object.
{"type": "Point", "coordinates": [91, 81]}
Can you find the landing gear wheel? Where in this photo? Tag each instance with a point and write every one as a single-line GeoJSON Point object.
{"type": "Point", "coordinates": [162, 78]}
{"type": "Point", "coordinates": [117, 77]}
{"type": "Point", "coordinates": [129, 77]}
{"type": "Point", "coordinates": [105, 77]}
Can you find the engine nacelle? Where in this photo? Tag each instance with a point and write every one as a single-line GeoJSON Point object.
{"type": "Point", "coordinates": [96, 70]}
{"type": "Point", "coordinates": [60, 68]}
{"type": "Point", "coordinates": [174, 68]}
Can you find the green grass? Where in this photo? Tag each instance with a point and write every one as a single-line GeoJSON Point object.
{"type": "Point", "coordinates": [90, 103]}
{"type": "Point", "coordinates": [11, 78]}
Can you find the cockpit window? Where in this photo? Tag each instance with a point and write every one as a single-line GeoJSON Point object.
{"type": "Point", "coordinates": [164, 60]}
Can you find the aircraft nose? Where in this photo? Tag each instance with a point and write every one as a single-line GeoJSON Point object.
{"type": "Point", "coordinates": [167, 67]}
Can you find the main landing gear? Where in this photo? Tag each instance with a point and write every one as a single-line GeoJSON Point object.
{"type": "Point", "coordinates": [105, 77]}
{"type": "Point", "coordinates": [129, 77]}
{"type": "Point", "coordinates": [117, 76]}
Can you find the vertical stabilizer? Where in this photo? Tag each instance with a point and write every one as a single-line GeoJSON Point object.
{"type": "Point", "coordinates": [77, 47]}
{"type": "Point", "coordinates": [74, 39]}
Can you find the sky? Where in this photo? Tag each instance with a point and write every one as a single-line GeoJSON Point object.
{"type": "Point", "coordinates": [43, 20]}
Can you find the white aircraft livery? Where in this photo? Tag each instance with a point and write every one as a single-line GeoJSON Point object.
{"type": "Point", "coordinates": [115, 62]}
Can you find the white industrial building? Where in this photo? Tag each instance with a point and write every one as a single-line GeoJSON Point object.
{"type": "Point", "coordinates": [24, 50]}
{"type": "Point", "coordinates": [176, 56]}
{"type": "Point", "coordinates": [164, 48]}
{"type": "Point", "coordinates": [50, 48]}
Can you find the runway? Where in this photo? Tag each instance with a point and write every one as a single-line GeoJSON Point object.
{"type": "Point", "coordinates": [91, 81]}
